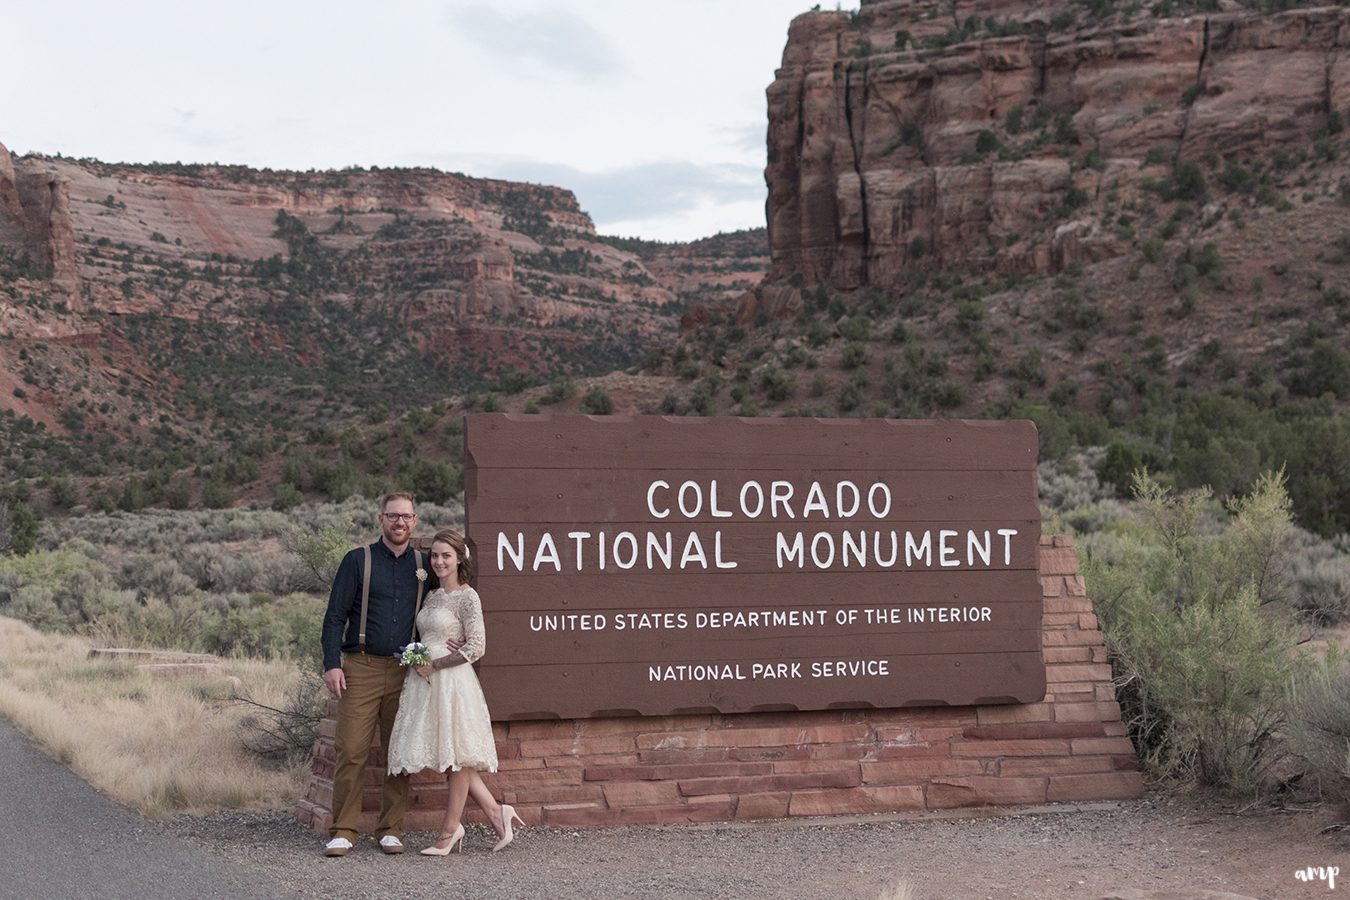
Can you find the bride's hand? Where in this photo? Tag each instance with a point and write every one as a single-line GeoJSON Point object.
{"type": "Point", "coordinates": [424, 671]}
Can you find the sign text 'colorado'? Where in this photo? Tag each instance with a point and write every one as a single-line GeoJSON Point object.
{"type": "Point", "coordinates": [669, 565]}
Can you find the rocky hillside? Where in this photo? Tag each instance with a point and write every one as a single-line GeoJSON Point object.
{"type": "Point", "coordinates": [1002, 135]}
{"type": "Point", "coordinates": [1129, 223]}
{"type": "Point", "coordinates": [148, 313]}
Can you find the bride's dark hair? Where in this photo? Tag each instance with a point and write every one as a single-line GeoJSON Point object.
{"type": "Point", "coordinates": [456, 540]}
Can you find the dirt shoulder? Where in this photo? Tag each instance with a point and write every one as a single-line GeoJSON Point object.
{"type": "Point", "coordinates": [1161, 843]}
{"type": "Point", "coordinates": [61, 837]}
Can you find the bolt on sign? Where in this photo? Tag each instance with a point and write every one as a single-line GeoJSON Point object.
{"type": "Point", "coordinates": [652, 565]}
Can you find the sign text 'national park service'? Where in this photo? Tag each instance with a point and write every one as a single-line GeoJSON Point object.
{"type": "Point", "coordinates": [660, 565]}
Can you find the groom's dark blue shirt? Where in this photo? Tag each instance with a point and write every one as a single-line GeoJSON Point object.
{"type": "Point", "coordinates": [393, 604]}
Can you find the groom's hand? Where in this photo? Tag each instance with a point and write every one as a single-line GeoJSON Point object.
{"type": "Point", "coordinates": [336, 680]}
{"type": "Point", "coordinates": [454, 645]}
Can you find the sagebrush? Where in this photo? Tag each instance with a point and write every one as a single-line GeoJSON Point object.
{"type": "Point", "coordinates": [1204, 652]}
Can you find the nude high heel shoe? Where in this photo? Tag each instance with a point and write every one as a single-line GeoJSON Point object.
{"type": "Point", "coordinates": [456, 838]}
{"type": "Point", "coordinates": [508, 814]}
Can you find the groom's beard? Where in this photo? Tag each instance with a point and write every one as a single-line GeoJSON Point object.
{"type": "Point", "coordinates": [398, 542]}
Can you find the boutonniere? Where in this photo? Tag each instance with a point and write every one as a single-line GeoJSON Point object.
{"type": "Point", "coordinates": [421, 574]}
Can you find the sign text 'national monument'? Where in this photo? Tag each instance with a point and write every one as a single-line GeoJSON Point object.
{"type": "Point", "coordinates": [650, 565]}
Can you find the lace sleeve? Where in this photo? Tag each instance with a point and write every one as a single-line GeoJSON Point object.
{"type": "Point", "coordinates": [475, 638]}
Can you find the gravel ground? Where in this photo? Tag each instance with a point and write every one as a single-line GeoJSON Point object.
{"type": "Point", "coordinates": [1162, 843]}
{"type": "Point", "coordinates": [60, 837]}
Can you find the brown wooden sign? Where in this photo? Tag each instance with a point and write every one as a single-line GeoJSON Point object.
{"type": "Point", "coordinates": [651, 565]}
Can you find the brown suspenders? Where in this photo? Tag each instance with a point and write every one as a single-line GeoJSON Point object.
{"type": "Point", "coordinates": [365, 595]}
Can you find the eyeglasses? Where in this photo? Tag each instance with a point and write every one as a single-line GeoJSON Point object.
{"type": "Point", "coordinates": [399, 517]}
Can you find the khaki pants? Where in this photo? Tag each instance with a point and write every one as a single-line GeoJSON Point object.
{"type": "Point", "coordinates": [370, 700]}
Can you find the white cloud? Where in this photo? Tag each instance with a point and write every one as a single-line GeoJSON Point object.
{"type": "Point", "coordinates": [652, 113]}
{"type": "Point", "coordinates": [553, 38]}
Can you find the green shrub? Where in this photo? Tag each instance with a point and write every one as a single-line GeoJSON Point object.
{"type": "Point", "coordinates": [1118, 466]}
{"type": "Point", "coordinates": [134, 495]}
{"type": "Point", "coordinates": [777, 384]}
{"type": "Point", "coordinates": [285, 736]}
{"type": "Point", "coordinates": [180, 494]}
{"type": "Point", "coordinates": [1319, 730]}
{"type": "Point", "coordinates": [1239, 179]}
{"type": "Point", "coordinates": [215, 495]}
{"type": "Point", "coordinates": [849, 398]}
{"type": "Point", "coordinates": [515, 381]}
{"type": "Point", "coordinates": [945, 395]}
{"type": "Point", "coordinates": [1319, 575]}
{"type": "Point", "coordinates": [64, 494]}
{"type": "Point", "coordinates": [597, 402]}
{"type": "Point", "coordinates": [969, 316]}
{"type": "Point", "coordinates": [1076, 198]}
{"type": "Point", "coordinates": [1065, 133]}
{"type": "Point", "coordinates": [1153, 249]}
{"type": "Point", "coordinates": [288, 628]}
{"type": "Point", "coordinates": [18, 527]}
{"type": "Point", "coordinates": [1188, 183]}
{"type": "Point", "coordinates": [321, 550]}
{"type": "Point", "coordinates": [1206, 674]}
{"type": "Point", "coordinates": [856, 328]}
{"type": "Point", "coordinates": [854, 355]}
{"type": "Point", "coordinates": [286, 496]}
{"type": "Point", "coordinates": [817, 334]}
{"type": "Point", "coordinates": [560, 389]}
{"type": "Point", "coordinates": [1028, 368]}
{"type": "Point", "coordinates": [1325, 368]}
{"type": "Point", "coordinates": [434, 481]}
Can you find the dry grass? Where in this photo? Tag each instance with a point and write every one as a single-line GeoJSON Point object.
{"type": "Point", "coordinates": [161, 746]}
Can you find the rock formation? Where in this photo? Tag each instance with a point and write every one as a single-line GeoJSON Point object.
{"type": "Point", "coordinates": [349, 272]}
{"type": "Point", "coordinates": [36, 230]}
{"type": "Point", "coordinates": [438, 250]}
{"type": "Point", "coordinates": [914, 134]}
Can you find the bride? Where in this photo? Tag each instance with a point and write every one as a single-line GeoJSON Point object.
{"type": "Point", "coordinates": [443, 720]}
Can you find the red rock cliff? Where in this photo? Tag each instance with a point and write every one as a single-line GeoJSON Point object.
{"type": "Point", "coordinates": [918, 134]}
{"type": "Point", "coordinates": [35, 222]}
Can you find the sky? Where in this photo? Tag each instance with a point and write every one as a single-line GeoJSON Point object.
{"type": "Point", "coordinates": [651, 111]}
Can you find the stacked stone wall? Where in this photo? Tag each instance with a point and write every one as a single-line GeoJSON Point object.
{"type": "Point", "coordinates": [696, 768]}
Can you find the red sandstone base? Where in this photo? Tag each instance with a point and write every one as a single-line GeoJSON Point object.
{"type": "Point", "coordinates": [1071, 746]}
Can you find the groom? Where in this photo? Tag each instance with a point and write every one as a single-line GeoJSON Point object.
{"type": "Point", "coordinates": [361, 667]}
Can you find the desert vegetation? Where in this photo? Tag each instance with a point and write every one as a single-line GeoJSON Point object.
{"type": "Point", "coordinates": [246, 586]}
{"type": "Point", "coordinates": [159, 745]}
{"type": "Point", "coordinates": [1216, 615]}
{"type": "Point", "coordinates": [1211, 610]}
{"type": "Point", "coordinates": [1185, 366]}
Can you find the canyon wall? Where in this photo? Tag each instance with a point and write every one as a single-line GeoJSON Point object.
{"type": "Point", "coordinates": [912, 135]}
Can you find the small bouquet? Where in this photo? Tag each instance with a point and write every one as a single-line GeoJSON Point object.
{"type": "Point", "coordinates": [415, 654]}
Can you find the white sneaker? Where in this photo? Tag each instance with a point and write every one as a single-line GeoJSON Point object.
{"type": "Point", "coordinates": [338, 846]}
{"type": "Point", "coordinates": [391, 844]}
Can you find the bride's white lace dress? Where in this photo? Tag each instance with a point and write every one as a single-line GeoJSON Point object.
{"type": "Point", "coordinates": [444, 723]}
